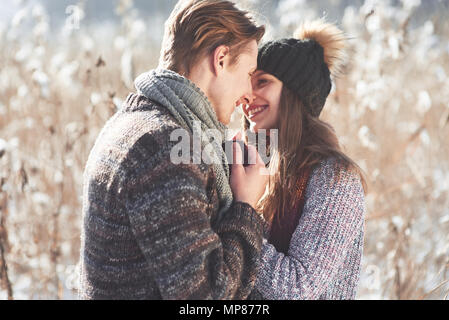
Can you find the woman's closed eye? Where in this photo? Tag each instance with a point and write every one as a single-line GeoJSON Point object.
{"type": "Point", "coordinates": [261, 82]}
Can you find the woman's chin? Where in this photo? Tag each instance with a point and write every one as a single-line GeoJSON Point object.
{"type": "Point", "coordinates": [256, 126]}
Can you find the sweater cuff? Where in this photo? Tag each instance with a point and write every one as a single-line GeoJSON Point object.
{"type": "Point", "coordinates": [246, 214]}
{"type": "Point", "coordinates": [258, 216]}
{"type": "Point", "coordinates": [243, 206]}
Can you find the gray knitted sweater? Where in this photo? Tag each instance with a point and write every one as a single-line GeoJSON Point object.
{"type": "Point", "coordinates": [150, 227]}
{"type": "Point", "coordinates": [324, 256]}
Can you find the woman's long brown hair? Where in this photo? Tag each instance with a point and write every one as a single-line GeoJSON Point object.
{"type": "Point", "coordinates": [303, 141]}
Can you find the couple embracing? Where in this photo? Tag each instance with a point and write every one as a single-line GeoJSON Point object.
{"type": "Point", "coordinates": [289, 228]}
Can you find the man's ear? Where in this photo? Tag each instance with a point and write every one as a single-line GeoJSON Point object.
{"type": "Point", "coordinates": [220, 58]}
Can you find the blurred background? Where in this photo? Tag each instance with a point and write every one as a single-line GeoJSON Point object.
{"type": "Point", "coordinates": [66, 67]}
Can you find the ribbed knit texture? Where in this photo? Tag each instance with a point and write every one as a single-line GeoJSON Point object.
{"type": "Point", "coordinates": [324, 256]}
{"type": "Point", "coordinates": [187, 103]}
{"type": "Point", "coordinates": [284, 225]}
{"type": "Point", "coordinates": [150, 227]}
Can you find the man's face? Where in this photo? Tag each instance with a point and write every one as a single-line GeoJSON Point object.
{"type": "Point", "coordinates": [233, 85]}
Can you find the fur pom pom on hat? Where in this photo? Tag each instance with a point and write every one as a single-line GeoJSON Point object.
{"type": "Point", "coordinates": [306, 62]}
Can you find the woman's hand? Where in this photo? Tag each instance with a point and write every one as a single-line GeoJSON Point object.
{"type": "Point", "coordinates": [248, 182]}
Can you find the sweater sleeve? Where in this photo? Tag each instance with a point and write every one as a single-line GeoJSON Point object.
{"type": "Point", "coordinates": [169, 211]}
{"type": "Point", "coordinates": [332, 217]}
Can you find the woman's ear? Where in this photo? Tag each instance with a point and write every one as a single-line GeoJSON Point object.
{"type": "Point", "coordinates": [220, 56]}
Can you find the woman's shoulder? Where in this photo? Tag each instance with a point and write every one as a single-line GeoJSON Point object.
{"type": "Point", "coordinates": [334, 186]}
{"type": "Point", "coordinates": [331, 173]}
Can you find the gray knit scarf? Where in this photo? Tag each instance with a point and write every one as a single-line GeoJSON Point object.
{"type": "Point", "coordinates": [187, 103]}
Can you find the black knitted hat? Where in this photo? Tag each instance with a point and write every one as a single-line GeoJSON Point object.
{"type": "Point", "coordinates": [304, 63]}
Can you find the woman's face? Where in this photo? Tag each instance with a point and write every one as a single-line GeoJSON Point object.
{"type": "Point", "coordinates": [263, 112]}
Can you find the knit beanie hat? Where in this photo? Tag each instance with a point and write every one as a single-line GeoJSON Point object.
{"type": "Point", "coordinates": [306, 62]}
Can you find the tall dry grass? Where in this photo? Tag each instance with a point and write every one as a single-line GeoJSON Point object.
{"type": "Point", "coordinates": [390, 109]}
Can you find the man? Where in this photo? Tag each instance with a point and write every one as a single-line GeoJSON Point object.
{"type": "Point", "coordinates": [154, 229]}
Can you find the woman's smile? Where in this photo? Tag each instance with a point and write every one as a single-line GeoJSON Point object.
{"type": "Point", "coordinates": [255, 110]}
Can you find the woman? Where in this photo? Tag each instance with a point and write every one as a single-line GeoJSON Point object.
{"type": "Point", "coordinates": [315, 202]}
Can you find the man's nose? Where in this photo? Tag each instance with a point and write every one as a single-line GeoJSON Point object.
{"type": "Point", "coordinates": [247, 99]}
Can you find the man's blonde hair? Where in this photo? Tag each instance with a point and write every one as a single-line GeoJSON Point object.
{"type": "Point", "coordinates": [198, 27]}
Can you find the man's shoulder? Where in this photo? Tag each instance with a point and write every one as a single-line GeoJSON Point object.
{"type": "Point", "coordinates": [139, 132]}
{"type": "Point", "coordinates": [140, 119]}
{"type": "Point", "coordinates": [149, 127]}
{"type": "Point", "coordinates": [147, 114]}
{"type": "Point", "coordinates": [333, 174]}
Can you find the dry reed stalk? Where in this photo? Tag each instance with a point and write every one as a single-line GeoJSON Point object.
{"type": "Point", "coordinates": [435, 289]}
{"type": "Point", "coordinates": [4, 270]}
{"type": "Point", "coordinates": [3, 240]}
{"type": "Point", "coordinates": [55, 250]}
{"type": "Point", "coordinates": [401, 149]}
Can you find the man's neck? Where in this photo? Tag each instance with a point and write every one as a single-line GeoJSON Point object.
{"type": "Point", "coordinates": [199, 75]}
